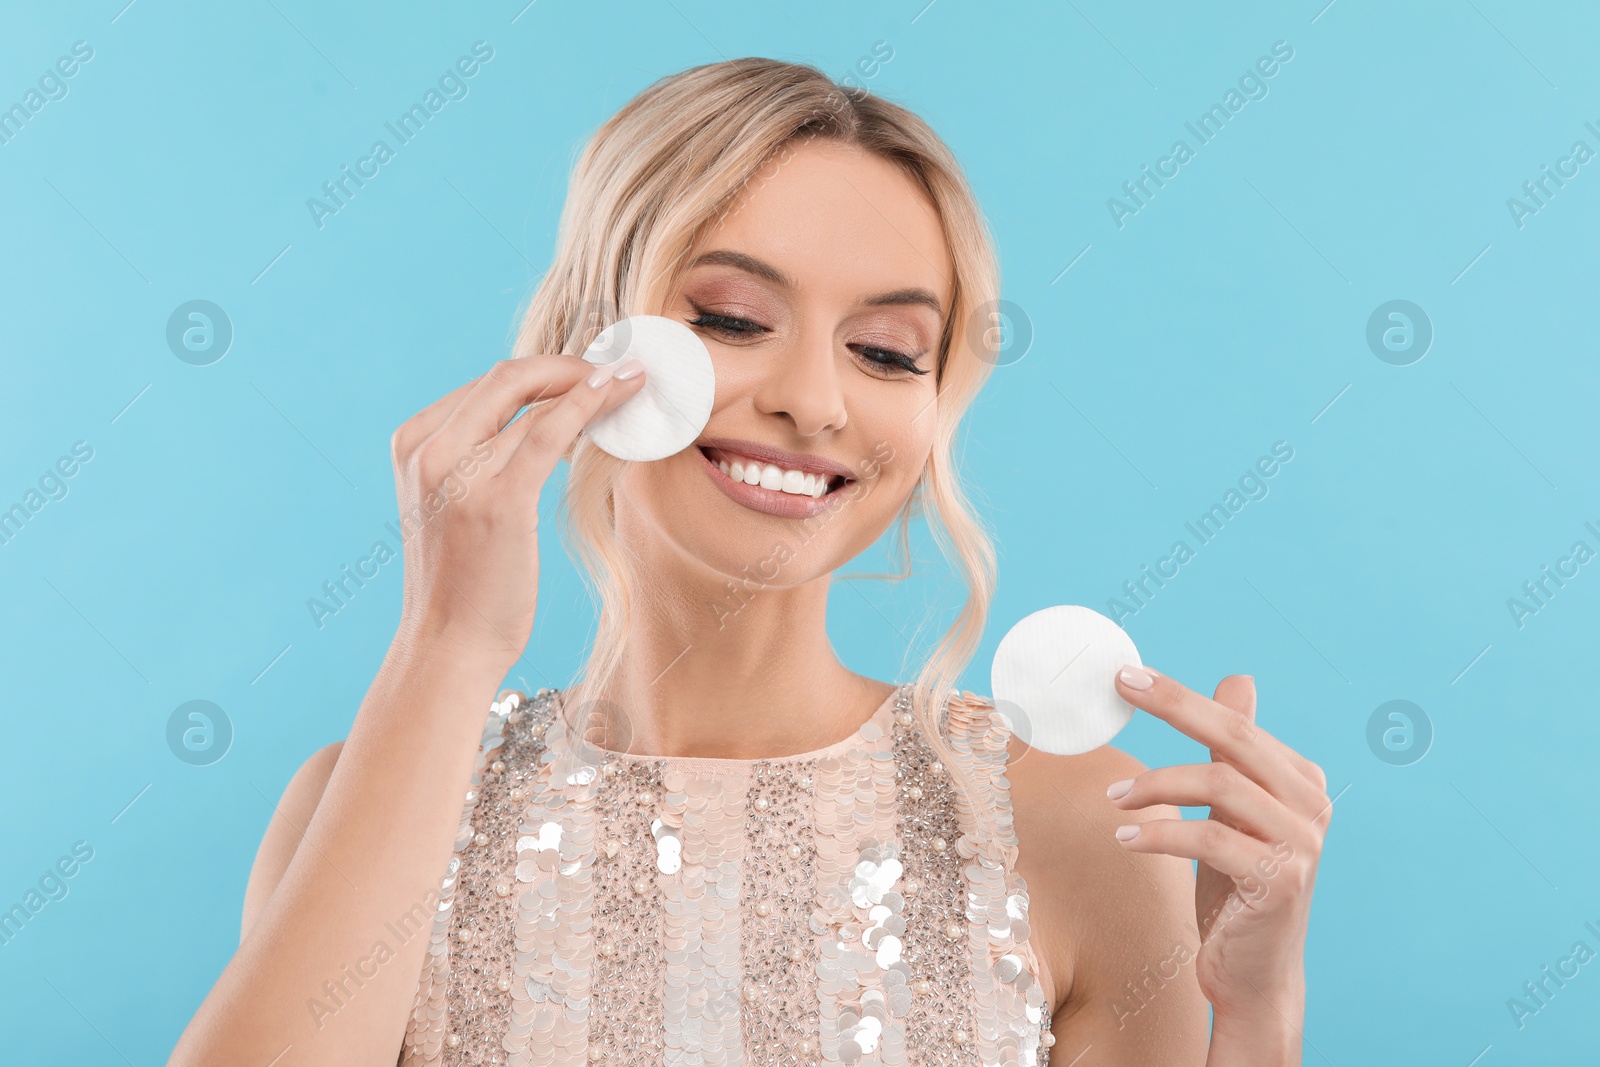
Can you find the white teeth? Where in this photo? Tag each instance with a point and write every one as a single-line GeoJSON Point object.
{"type": "Point", "coordinates": [771, 476]}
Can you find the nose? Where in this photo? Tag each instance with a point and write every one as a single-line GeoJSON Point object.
{"type": "Point", "coordinates": [804, 387]}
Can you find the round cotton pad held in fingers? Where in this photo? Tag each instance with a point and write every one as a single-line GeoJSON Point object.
{"type": "Point", "coordinates": [669, 412]}
{"type": "Point", "coordinates": [1054, 676]}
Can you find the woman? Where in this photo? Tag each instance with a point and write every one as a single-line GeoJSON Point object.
{"type": "Point", "coordinates": [720, 845]}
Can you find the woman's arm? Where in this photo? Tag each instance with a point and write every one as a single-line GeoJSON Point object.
{"type": "Point", "coordinates": [290, 817]}
{"type": "Point", "coordinates": [1242, 946]}
{"type": "Point", "coordinates": [330, 957]}
{"type": "Point", "coordinates": [1116, 929]}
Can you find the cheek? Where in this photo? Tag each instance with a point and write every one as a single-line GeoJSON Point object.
{"type": "Point", "coordinates": [651, 486]}
{"type": "Point", "coordinates": [902, 451]}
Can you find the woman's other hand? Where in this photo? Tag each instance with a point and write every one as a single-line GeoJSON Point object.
{"type": "Point", "coordinates": [1258, 850]}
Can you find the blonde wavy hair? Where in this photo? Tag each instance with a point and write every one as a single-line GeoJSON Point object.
{"type": "Point", "coordinates": [649, 184]}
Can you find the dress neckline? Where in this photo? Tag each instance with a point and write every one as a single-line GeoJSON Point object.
{"type": "Point", "coordinates": [874, 728]}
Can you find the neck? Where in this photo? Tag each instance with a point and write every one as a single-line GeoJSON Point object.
{"type": "Point", "coordinates": [709, 673]}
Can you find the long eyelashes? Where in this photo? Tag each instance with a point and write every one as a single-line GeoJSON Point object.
{"type": "Point", "coordinates": [724, 324]}
{"type": "Point", "coordinates": [733, 327]}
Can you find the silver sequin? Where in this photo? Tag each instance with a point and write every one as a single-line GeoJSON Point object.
{"type": "Point", "coordinates": [791, 911]}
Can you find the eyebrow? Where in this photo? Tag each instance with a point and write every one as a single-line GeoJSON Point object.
{"type": "Point", "coordinates": [767, 272]}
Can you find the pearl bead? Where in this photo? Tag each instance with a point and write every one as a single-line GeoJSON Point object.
{"type": "Point", "coordinates": [960, 1037]}
{"type": "Point", "coordinates": [480, 839]}
{"type": "Point", "coordinates": [464, 936]}
{"type": "Point", "coordinates": [806, 1048]}
{"type": "Point", "coordinates": [905, 718]}
{"type": "Point", "coordinates": [915, 792]}
{"type": "Point", "coordinates": [937, 767]}
{"type": "Point", "coordinates": [794, 852]}
{"type": "Point", "coordinates": [952, 930]}
{"type": "Point", "coordinates": [923, 987]}
{"type": "Point", "coordinates": [607, 949]}
{"type": "Point", "coordinates": [504, 984]}
{"type": "Point", "coordinates": [536, 730]}
{"type": "Point", "coordinates": [762, 803]}
{"type": "Point", "coordinates": [1047, 1039]}
{"type": "Point", "coordinates": [641, 887]}
{"type": "Point", "coordinates": [751, 994]}
{"type": "Point", "coordinates": [596, 1054]}
{"type": "Point", "coordinates": [610, 769]}
{"type": "Point", "coordinates": [646, 797]}
{"type": "Point", "coordinates": [911, 886]}
{"type": "Point", "coordinates": [514, 717]}
{"type": "Point", "coordinates": [763, 909]}
{"type": "Point", "coordinates": [940, 844]}
{"type": "Point", "coordinates": [515, 792]}
{"type": "Point", "coordinates": [454, 1040]}
{"type": "Point", "coordinates": [502, 890]}
{"type": "Point", "coordinates": [795, 953]}
{"type": "Point", "coordinates": [498, 766]}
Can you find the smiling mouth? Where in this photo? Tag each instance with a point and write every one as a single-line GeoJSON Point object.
{"type": "Point", "coordinates": [770, 476]}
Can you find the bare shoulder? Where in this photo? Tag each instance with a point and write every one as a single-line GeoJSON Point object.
{"type": "Point", "coordinates": [1106, 919]}
{"type": "Point", "coordinates": [289, 820]}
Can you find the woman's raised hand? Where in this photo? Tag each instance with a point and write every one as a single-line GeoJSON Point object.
{"type": "Point", "coordinates": [468, 481]}
{"type": "Point", "coordinates": [1258, 850]}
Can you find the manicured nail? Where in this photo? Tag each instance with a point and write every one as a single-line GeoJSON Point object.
{"type": "Point", "coordinates": [1118, 790]}
{"type": "Point", "coordinates": [1135, 677]}
{"type": "Point", "coordinates": [601, 376]}
{"type": "Point", "coordinates": [630, 368]}
{"type": "Point", "coordinates": [1127, 833]}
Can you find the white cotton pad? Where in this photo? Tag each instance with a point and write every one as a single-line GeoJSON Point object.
{"type": "Point", "coordinates": [1054, 677]}
{"type": "Point", "coordinates": [668, 413]}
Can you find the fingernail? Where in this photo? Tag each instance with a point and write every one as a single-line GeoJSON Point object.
{"type": "Point", "coordinates": [1135, 677]}
{"type": "Point", "coordinates": [601, 376]}
{"type": "Point", "coordinates": [1127, 833]}
{"type": "Point", "coordinates": [630, 368]}
{"type": "Point", "coordinates": [1118, 790]}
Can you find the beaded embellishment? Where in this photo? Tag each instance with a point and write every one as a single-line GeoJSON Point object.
{"type": "Point", "coordinates": [836, 907]}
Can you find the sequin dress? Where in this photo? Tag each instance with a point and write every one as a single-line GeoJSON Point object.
{"type": "Point", "coordinates": [837, 906]}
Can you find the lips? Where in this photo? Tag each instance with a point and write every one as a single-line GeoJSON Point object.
{"type": "Point", "coordinates": [748, 463]}
{"type": "Point", "coordinates": [789, 505]}
{"type": "Point", "coordinates": [778, 457]}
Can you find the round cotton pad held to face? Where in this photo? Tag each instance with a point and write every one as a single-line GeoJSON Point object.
{"type": "Point", "coordinates": [669, 412]}
{"type": "Point", "coordinates": [1054, 676]}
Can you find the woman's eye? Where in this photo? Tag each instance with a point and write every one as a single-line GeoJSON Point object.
{"type": "Point", "coordinates": [730, 326]}
{"type": "Point", "coordinates": [724, 324]}
{"type": "Point", "coordinates": [887, 358]}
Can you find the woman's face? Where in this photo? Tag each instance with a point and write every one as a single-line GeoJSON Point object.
{"type": "Point", "coordinates": [821, 295]}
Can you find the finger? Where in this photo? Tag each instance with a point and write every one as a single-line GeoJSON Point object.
{"type": "Point", "coordinates": [1214, 843]}
{"type": "Point", "coordinates": [547, 436]}
{"type": "Point", "coordinates": [505, 389]}
{"type": "Point", "coordinates": [1232, 735]}
{"type": "Point", "coordinates": [411, 433]}
{"type": "Point", "coordinates": [1238, 691]}
{"type": "Point", "coordinates": [1232, 798]}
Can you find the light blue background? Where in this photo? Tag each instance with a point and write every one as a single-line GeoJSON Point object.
{"type": "Point", "coordinates": [1228, 314]}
